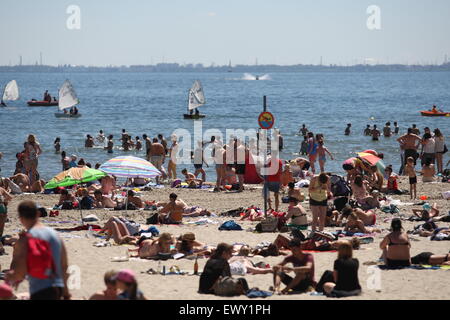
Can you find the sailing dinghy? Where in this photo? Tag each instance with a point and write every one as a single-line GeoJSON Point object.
{"type": "Point", "coordinates": [196, 99]}
{"type": "Point", "coordinates": [10, 92]}
{"type": "Point", "coordinates": [67, 99]}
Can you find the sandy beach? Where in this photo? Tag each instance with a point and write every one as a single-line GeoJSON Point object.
{"type": "Point", "coordinates": [407, 284]}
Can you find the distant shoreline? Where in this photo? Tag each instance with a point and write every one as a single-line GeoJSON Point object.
{"type": "Point", "coordinates": [190, 68]}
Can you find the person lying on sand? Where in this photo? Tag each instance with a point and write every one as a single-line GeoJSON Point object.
{"type": "Point", "coordinates": [426, 213]}
{"type": "Point", "coordinates": [319, 242]}
{"type": "Point", "coordinates": [111, 291]}
{"type": "Point", "coordinates": [116, 228]}
{"type": "Point", "coordinates": [191, 212]}
{"type": "Point", "coordinates": [241, 260]}
{"type": "Point", "coordinates": [102, 201]}
{"type": "Point", "coordinates": [253, 214]}
{"type": "Point", "coordinates": [429, 258]}
{"type": "Point", "coordinates": [188, 245]}
{"type": "Point", "coordinates": [150, 248]}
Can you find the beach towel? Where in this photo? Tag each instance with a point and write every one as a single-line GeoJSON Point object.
{"type": "Point", "coordinates": [256, 293]}
{"type": "Point", "coordinates": [390, 209]}
{"type": "Point", "coordinates": [152, 230]}
{"type": "Point", "coordinates": [230, 226]}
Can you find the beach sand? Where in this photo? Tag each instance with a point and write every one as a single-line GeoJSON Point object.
{"type": "Point", "coordinates": [93, 262]}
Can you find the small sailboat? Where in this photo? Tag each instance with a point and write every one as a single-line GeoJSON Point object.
{"type": "Point", "coordinates": [10, 93]}
{"type": "Point", "coordinates": [67, 100]}
{"type": "Point", "coordinates": [196, 99]}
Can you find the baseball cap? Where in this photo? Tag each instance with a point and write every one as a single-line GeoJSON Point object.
{"type": "Point", "coordinates": [126, 276]}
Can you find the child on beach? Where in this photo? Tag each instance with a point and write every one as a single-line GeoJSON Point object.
{"type": "Point", "coordinates": [411, 172]}
{"type": "Point", "coordinates": [126, 282]}
{"type": "Point", "coordinates": [392, 183]}
{"type": "Point", "coordinates": [321, 152]}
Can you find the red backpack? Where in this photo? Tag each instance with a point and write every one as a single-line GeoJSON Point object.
{"type": "Point", "coordinates": [39, 258]}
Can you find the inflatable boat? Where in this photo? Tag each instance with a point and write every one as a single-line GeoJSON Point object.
{"type": "Point", "coordinates": [435, 114]}
{"type": "Point", "coordinates": [34, 103]}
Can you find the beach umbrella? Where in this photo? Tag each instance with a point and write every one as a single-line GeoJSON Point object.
{"type": "Point", "coordinates": [373, 160]}
{"type": "Point", "coordinates": [130, 167]}
{"type": "Point", "coordinates": [74, 176]}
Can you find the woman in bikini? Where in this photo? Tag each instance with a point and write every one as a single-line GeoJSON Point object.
{"type": "Point", "coordinates": [32, 152]}
{"type": "Point", "coordinates": [396, 246]}
{"type": "Point", "coordinates": [149, 248]}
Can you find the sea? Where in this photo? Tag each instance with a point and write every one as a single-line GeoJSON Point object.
{"type": "Point", "coordinates": [154, 103]}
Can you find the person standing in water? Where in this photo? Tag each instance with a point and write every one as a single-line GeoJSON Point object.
{"type": "Point", "coordinates": [57, 145]}
{"type": "Point", "coordinates": [110, 145]}
{"type": "Point", "coordinates": [375, 133]}
{"type": "Point", "coordinates": [321, 152]}
{"type": "Point", "coordinates": [387, 130]}
{"type": "Point", "coordinates": [312, 151]}
{"type": "Point", "coordinates": [396, 128]}
{"type": "Point", "coordinates": [348, 129]}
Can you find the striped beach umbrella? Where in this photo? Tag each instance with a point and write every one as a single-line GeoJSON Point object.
{"type": "Point", "coordinates": [130, 167]}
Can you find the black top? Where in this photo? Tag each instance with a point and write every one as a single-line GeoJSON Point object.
{"type": "Point", "coordinates": [214, 268]}
{"type": "Point", "coordinates": [347, 272]}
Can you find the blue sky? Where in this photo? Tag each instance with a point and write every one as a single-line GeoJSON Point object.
{"type": "Point", "coordinates": [206, 31]}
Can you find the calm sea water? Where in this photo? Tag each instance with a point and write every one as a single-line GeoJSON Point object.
{"type": "Point", "coordinates": [154, 103]}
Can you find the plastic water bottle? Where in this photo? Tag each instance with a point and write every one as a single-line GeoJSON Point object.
{"type": "Point", "coordinates": [159, 267]}
{"type": "Point", "coordinates": [90, 233]}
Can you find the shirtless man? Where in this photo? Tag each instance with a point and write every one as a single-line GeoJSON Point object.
{"type": "Point", "coordinates": [387, 132]}
{"type": "Point", "coordinates": [375, 133]}
{"type": "Point", "coordinates": [111, 291]}
{"type": "Point", "coordinates": [132, 198]}
{"type": "Point", "coordinates": [157, 155]}
{"type": "Point", "coordinates": [102, 201]}
{"type": "Point", "coordinates": [356, 225]}
{"type": "Point", "coordinates": [410, 143]}
{"type": "Point", "coordinates": [172, 212]}
{"type": "Point", "coordinates": [89, 143]}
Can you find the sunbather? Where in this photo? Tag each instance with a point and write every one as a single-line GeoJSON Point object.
{"type": "Point", "coordinates": [116, 228]}
{"type": "Point", "coordinates": [66, 197]}
{"type": "Point", "coordinates": [396, 246]}
{"type": "Point", "coordinates": [150, 248]}
{"type": "Point", "coordinates": [369, 218]}
{"type": "Point", "coordinates": [188, 245]}
{"type": "Point", "coordinates": [102, 201]}
{"type": "Point", "coordinates": [172, 212]}
{"type": "Point", "coordinates": [191, 180]}
{"type": "Point", "coordinates": [429, 258]}
{"type": "Point", "coordinates": [355, 225]}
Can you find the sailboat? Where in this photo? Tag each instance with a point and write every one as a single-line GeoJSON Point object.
{"type": "Point", "coordinates": [67, 99]}
{"type": "Point", "coordinates": [10, 93]}
{"type": "Point", "coordinates": [196, 99]}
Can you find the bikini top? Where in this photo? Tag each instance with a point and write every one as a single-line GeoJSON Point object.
{"type": "Point", "coordinates": [397, 244]}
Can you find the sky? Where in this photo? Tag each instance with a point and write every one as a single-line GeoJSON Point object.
{"type": "Point", "coordinates": [283, 32]}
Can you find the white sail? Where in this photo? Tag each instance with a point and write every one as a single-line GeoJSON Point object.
{"type": "Point", "coordinates": [196, 96]}
{"type": "Point", "coordinates": [67, 96]}
{"type": "Point", "coordinates": [11, 92]}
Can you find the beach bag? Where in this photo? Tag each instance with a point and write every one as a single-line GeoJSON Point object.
{"type": "Point", "coordinates": [269, 225]}
{"type": "Point", "coordinates": [229, 226]}
{"type": "Point", "coordinates": [229, 287]}
{"type": "Point", "coordinates": [339, 187]}
{"type": "Point", "coordinates": [40, 264]}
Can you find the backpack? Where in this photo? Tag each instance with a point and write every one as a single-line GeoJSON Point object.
{"type": "Point", "coordinates": [40, 262]}
{"type": "Point", "coordinates": [230, 225]}
{"type": "Point", "coordinates": [339, 187]}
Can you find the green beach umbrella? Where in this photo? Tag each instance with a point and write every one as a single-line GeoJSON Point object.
{"type": "Point", "coordinates": [74, 176]}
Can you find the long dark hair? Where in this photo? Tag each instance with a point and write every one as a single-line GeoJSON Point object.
{"type": "Point", "coordinates": [396, 225]}
{"type": "Point", "coordinates": [221, 248]}
{"type": "Point", "coordinates": [132, 290]}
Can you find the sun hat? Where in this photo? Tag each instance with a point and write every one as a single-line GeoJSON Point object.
{"type": "Point", "coordinates": [6, 292]}
{"type": "Point", "coordinates": [126, 276]}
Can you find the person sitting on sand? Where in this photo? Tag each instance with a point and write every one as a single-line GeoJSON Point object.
{"type": "Point", "coordinates": [286, 176]}
{"type": "Point", "coordinates": [429, 258]}
{"type": "Point", "coordinates": [134, 200]}
{"type": "Point", "coordinates": [296, 213]}
{"type": "Point", "coordinates": [428, 171]}
{"type": "Point", "coordinates": [294, 192]}
{"type": "Point", "coordinates": [392, 183]}
{"type": "Point", "coordinates": [355, 225]}
{"type": "Point", "coordinates": [360, 189]}
{"type": "Point", "coordinates": [190, 179]}
{"type": "Point", "coordinates": [127, 284]}
{"type": "Point", "coordinates": [172, 212]}
{"type": "Point", "coordinates": [66, 197]}
{"type": "Point", "coordinates": [345, 274]}
{"type": "Point", "coordinates": [116, 228]}
{"type": "Point", "coordinates": [188, 245]}
{"type": "Point", "coordinates": [86, 202]}
{"type": "Point", "coordinates": [216, 276]}
{"type": "Point", "coordinates": [111, 291]}
{"type": "Point", "coordinates": [101, 201]}
{"type": "Point", "coordinates": [396, 246]}
{"type": "Point", "coordinates": [303, 267]}
{"type": "Point", "coordinates": [150, 248]}
{"type": "Point", "coordinates": [230, 177]}
{"type": "Point", "coordinates": [375, 179]}
{"type": "Point", "coordinates": [4, 199]}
